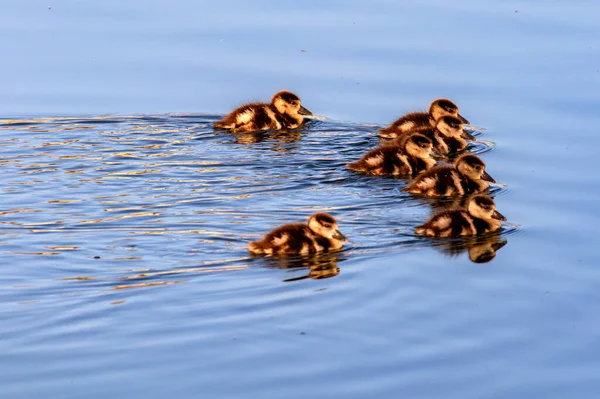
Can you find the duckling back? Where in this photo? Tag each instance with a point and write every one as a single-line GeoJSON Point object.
{"type": "Point", "coordinates": [406, 123]}
{"type": "Point", "coordinates": [441, 143]}
{"type": "Point", "coordinates": [388, 160]}
{"type": "Point", "coordinates": [443, 181]}
{"type": "Point", "coordinates": [288, 239]}
{"type": "Point", "coordinates": [451, 223]}
{"type": "Point", "coordinates": [249, 118]}
{"type": "Point", "coordinates": [431, 133]}
{"type": "Point", "coordinates": [292, 239]}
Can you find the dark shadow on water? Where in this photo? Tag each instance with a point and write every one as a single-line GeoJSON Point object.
{"type": "Point", "coordinates": [481, 249]}
{"type": "Point", "coordinates": [318, 266]}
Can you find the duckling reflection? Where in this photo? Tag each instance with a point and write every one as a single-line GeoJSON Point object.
{"type": "Point", "coordinates": [466, 176]}
{"type": "Point", "coordinates": [284, 112]}
{"type": "Point", "coordinates": [416, 120]}
{"type": "Point", "coordinates": [279, 137]}
{"type": "Point", "coordinates": [319, 234]}
{"type": "Point", "coordinates": [448, 135]}
{"type": "Point", "coordinates": [481, 249]}
{"type": "Point", "coordinates": [320, 265]}
{"type": "Point", "coordinates": [408, 158]}
{"type": "Point", "coordinates": [479, 217]}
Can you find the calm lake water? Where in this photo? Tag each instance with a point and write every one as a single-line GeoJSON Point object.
{"type": "Point", "coordinates": [124, 217]}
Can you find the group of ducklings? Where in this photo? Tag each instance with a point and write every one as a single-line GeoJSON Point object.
{"type": "Point", "coordinates": [411, 147]}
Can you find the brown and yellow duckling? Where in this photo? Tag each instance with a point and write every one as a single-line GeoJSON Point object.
{"type": "Point", "coordinates": [447, 136]}
{"type": "Point", "coordinates": [466, 176]}
{"type": "Point", "coordinates": [415, 120]}
{"type": "Point", "coordinates": [480, 217]}
{"type": "Point", "coordinates": [408, 158]}
{"type": "Point", "coordinates": [284, 112]}
{"type": "Point", "coordinates": [318, 235]}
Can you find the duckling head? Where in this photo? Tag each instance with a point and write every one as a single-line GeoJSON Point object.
{"type": "Point", "coordinates": [286, 102]}
{"type": "Point", "coordinates": [473, 167]}
{"type": "Point", "coordinates": [418, 146]}
{"type": "Point", "coordinates": [324, 225]}
{"type": "Point", "coordinates": [444, 107]}
{"type": "Point", "coordinates": [450, 126]}
{"type": "Point", "coordinates": [483, 207]}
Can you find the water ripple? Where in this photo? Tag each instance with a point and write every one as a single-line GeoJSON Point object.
{"type": "Point", "coordinates": [169, 181]}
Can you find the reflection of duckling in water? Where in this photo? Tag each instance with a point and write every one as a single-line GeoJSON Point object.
{"type": "Point", "coordinates": [320, 266]}
{"type": "Point", "coordinates": [480, 217]}
{"type": "Point", "coordinates": [415, 120]}
{"type": "Point", "coordinates": [447, 136]}
{"type": "Point", "coordinates": [277, 137]}
{"type": "Point", "coordinates": [284, 112]}
{"type": "Point", "coordinates": [319, 234]}
{"type": "Point", "coordinates": [467, 176]}
{"type": "Point", "coordinates": [485, 251]}
{"type": "Point", "coordinates": [408, 158]}
{"type": "Point", "coordinates": [481, 249]}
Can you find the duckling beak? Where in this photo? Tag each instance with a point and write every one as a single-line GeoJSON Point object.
{"type": "Point", "coordinates": [463, 119]}
{"type": "Point", "coordinates": [304, 111]}
{"type": "Point", "coordinates": [339, 236]}
{"type": "Point", "coordinates": [485, 176]}
{"type": "Point", "coordinates": [468, 136]}
{"type": "Point", "coordinates": [498, 215]}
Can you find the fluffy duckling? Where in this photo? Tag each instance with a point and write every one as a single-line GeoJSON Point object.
{"type": "Point", "coordinates": [466, 176]}
{"type": "Point", "coordinates": [319, 234]}
{"type": "Point", "coordinates": [480, 217]}
{"type": "Point", "coordinates": [446, 136]}
{"type": "Point", "coordinates": [284, 112]}
{"type": "Point", "coordinates": [408, 158]}
{"type": "Point", "coordinates": [414, 120]}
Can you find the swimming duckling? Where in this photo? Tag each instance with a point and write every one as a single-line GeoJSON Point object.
{"type": "Point", "coordinates": [408, 158]}
{"type": "Point", "coordinates": [284, 112]}
{"type": "Point", "coordinates": [446, 136]}
{"type": "Point", "coordinates": [319, 234]}
{"type": "Point", "coordinates": [480, 217]}
{"type": "Point", "coordinates": [414, 120]}
{"type": "Point", "coordinates": [466, 176]}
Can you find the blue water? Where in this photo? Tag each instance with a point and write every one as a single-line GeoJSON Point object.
{"type": "Point", "coordinates": [124, 216]}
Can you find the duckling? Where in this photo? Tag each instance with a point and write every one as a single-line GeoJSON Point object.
{"type": "Point", "coordinates": [284, 112]}
{"type": "Point", "coordinates": [414, 120]}
{"type": "Point", "coordinates": [319, 234]}
{"type": "Point", "coordinates": [466, 176]}
{"type": "Point", "coordinates": [408, 158]}
{"type": "Point", "coordinates": [446, 136]}
{"type": "Point", "coordinates": [480, 217]}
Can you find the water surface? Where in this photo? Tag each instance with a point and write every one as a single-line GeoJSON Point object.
{"type": "Point", "coordinates": [124, 217]}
